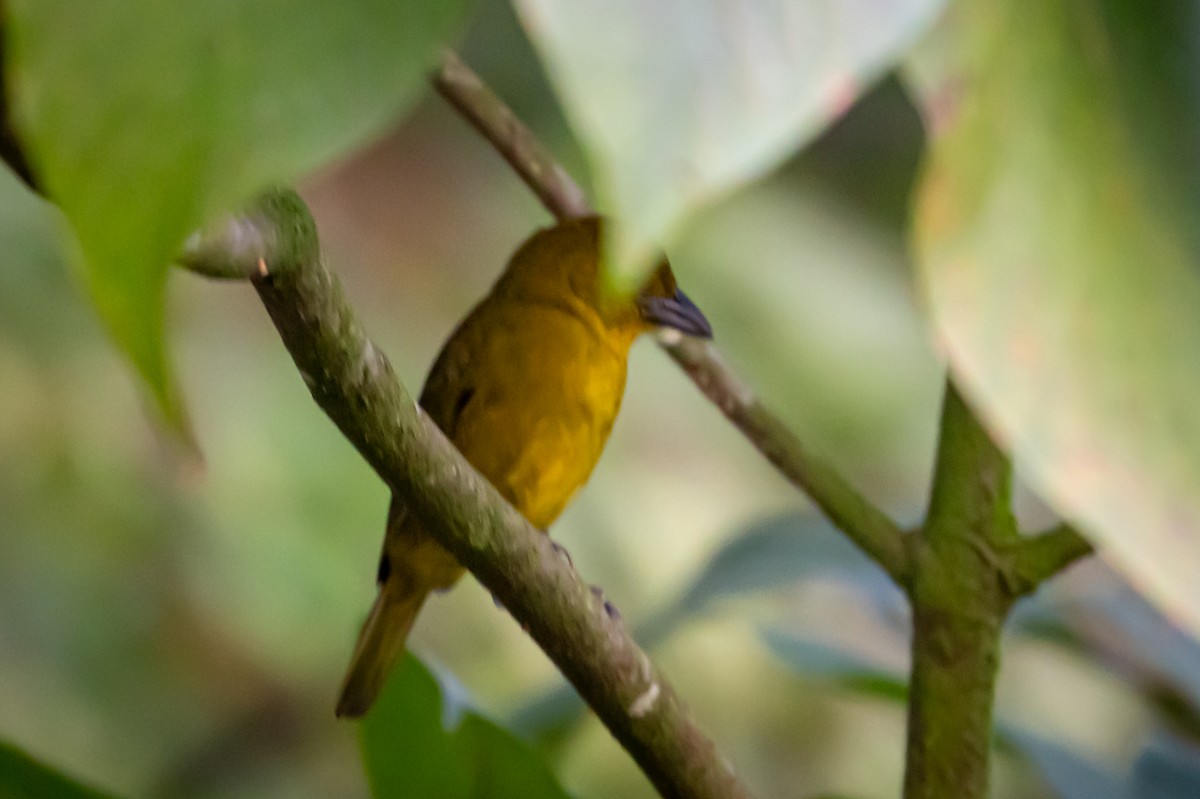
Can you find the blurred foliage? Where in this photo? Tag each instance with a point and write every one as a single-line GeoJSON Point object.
{"type": "Point", "coordinates": [176, 627]}
{"type": "Point", "coordinates": [142, 120]}
{"type": "Point", "coordinates": [22, 777]}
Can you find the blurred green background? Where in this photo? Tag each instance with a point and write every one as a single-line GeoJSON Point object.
{"type": "Point", "coordinates": [173, 625]}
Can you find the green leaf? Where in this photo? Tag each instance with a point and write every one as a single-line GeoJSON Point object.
{"type": "Point", "coordinates": [22, 777]}
{"type": "Point", "coordinates": [1057, 245]}
{"type": "Point", "coordinates": [679, 102]}
{"type": "Point", "coordinates": [142, 119]}
{"type": "Point", "coordinates": [413, 746]}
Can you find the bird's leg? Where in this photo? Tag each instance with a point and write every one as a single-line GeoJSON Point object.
{"type": "Point", "coordinates": [500, 605]}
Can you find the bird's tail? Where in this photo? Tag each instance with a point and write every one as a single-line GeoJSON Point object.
{"type": "Point", "coordinates": [379, 644]}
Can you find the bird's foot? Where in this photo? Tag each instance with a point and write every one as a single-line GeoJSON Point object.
{"type": "Point", "coordinates": [609, 607]}
{"type": "Point", "coordinates": [562, 552]}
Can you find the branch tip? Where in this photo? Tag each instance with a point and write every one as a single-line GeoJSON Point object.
{"type": "Point", "coordinates": [1040, 557]}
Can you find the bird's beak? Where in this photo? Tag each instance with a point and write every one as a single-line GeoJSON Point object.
{"type": "Point", "coordinates": [676, 312]}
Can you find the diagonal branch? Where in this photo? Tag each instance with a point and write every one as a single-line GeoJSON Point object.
{"type": "Point", "coordinates": [496, 122]}
{"type": "Point", "coordinates": [869, 528]}
{"type": "Point", "coordinates": [275, 245]}
{"type": "Point", "coordinates": [960, 596]}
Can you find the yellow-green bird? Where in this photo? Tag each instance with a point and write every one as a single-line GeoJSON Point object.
{"type": "Point", "coordinates": [527, 388]}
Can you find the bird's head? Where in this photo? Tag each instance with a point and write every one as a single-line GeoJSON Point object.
{"type": "Point", "coordinates": [560, 266]}
{"type": "Point", "coordinates": [661, 303]}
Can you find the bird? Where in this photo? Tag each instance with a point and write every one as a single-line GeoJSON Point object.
{"type": "Point", "coordinates": [527, 388]}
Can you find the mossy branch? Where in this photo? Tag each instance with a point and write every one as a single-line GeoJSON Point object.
{"type": "Point", "coordinates": [960, 598]}
{"type": "Point", "coordinates": [877, 535]}
{"type": "Point", "coordinates": [969, 566]}
{"type": "Point", "coordinates": [275, 246]}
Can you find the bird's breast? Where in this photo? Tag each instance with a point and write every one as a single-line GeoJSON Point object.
{"type": "Point", "coordinates": [544, 392]}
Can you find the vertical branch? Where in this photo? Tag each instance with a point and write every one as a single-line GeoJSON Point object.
{"type": "Point", "coordinates": [960, 594]}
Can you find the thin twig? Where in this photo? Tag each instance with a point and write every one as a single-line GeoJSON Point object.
{"type": "Point", "coordinates": [1040, 557]}
{"type": "Point", "coordinates": [865, 524]}
{"type": "Point", "coordinates": [350, 378]}
{"type": "Point", "coordinates": [488, 114]}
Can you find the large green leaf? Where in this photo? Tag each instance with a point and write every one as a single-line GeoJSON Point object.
{"type": "Point", "coordinates": [143, 118]}
{"type": "Point", "coordinates": [677, 102]}
{"type": "Point", "coordinates": [1057, 242]}
{"type": "Point", "coordinates": [413, 746]}
{"type": "Point", "coordinates": [22, 777]}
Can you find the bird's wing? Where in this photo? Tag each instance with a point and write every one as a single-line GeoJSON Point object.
{"type": "Point", "coordinates": [450, 387]}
